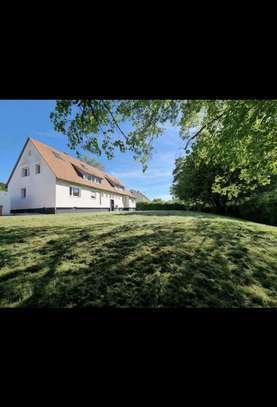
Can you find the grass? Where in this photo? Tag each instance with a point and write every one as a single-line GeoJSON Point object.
{"type": "Point", "coordinates": [137, 260]}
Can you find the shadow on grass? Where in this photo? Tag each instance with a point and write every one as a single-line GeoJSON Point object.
{"type": "Point", "coordinates": [158, 265]}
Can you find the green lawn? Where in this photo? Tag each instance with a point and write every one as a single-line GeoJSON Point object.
{"type": "Point", "coordinates": [137, 260]}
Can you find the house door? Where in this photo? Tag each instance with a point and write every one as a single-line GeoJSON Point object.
{"type": "Point", "coordinates": [112, 205]}
{"type": "Point", "coordinates": [1, 210]}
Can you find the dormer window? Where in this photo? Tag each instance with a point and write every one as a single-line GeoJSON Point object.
{"type": "Point", "coordinates": [97, 180]}
{"type": "Point", "coordinates": [118, 188]}
{"type": "Point", "coordinates": [57, 155]}
{"type": "Point", "coordinates": [85, 175]}
{"type": "Point", "coordinates": [25, 172]}
{"type": "Point", "coordinates": [113, 183]}
{"type": "Point", "coordinates": [92, 178]}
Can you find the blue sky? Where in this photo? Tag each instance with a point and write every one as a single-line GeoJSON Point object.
{"type": "Point", "coordinates": [20, 119]}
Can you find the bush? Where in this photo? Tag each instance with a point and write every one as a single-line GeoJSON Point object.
{"type": "Point", "coordinates": [259, 208]}
{"type": "Point", "coordinates": [262, 208]}
{"type": "Point", "coordinates": [150, 206]}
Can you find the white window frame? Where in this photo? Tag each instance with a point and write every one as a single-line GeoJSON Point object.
{"type": "Point", "coordinates": [23, 172]}
{"type": "Point", "coordinates": [36, 166]}
{"type": "Point", "coordinates": [23, 195]}
{"type": "Point", "coordinates": [71, 192]}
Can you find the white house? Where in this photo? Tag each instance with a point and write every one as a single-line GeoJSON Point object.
{"type": "Point", "coordinates": [4, 203]}
{"type": "Point", "coordinates": [45, 180]}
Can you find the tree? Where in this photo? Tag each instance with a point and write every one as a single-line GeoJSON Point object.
{"type": "Point", "coordinates": [240, 134]}
{"type": "Point", "coordinates": [2, 186]}
{"type": "Point", "coordinates": [91, 161]}
{"type": "Point", "coordinates": [195, 183]}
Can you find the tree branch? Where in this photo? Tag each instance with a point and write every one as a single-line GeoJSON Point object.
{"type": "Point", "coordinates": [113, 118]}
{"type": "Point", "coordinates": [194, 136]}
{"type": "Point", "coordinates": [202, 128]}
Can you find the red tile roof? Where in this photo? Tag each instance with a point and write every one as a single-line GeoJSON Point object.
{"type": "Point", "coordinates": [63, 169]}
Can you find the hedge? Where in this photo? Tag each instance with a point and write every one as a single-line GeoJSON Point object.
{"type": "Point", "coordinates": [149, 206]}
{"type": "Point", "coordinates": [261, 208]}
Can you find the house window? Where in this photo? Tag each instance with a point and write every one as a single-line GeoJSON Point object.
{"type": "Point", "coordinates": [25, 172]}
{"type": "Point", "coordinates": [74, 191]}
{"type": "Point", "coordinates": [30, 152]}
{"type": "Point", "coordinates": [93, 195]}
{"type": "Point", "coordinates": [37, 169]}
{"type": "Point", "coordinates": [118, 188]}
{"type": "Point", "coordinates": [23, 192]}
{"type": "Point", "coordinates": [89, 177]}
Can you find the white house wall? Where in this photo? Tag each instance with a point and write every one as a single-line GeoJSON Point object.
{"type": "Point", "coordinates": [64, 200]}
{"type": "Point", "coordinates": [40, 188]}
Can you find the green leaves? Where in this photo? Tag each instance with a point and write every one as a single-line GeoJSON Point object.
{"type": "Point", "coordinates": [2, 186]}
{"type": "Point", "coordinates": [236, 135]}
{"type": "Point", "coordinates": [200, 181]}
{"type": "Point", "coordinates": [241, 136]}
{"type": "Point", "coordinates": [98, 125]}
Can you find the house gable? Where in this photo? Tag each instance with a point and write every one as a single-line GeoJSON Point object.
{"type": "Point", "coordinates": [31, 183]}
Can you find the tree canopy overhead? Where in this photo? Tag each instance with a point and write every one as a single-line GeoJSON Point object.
{"type": "Point", "coordinates": [240, 135]}
{"type": "Point", "coordinates": [98, 125]}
